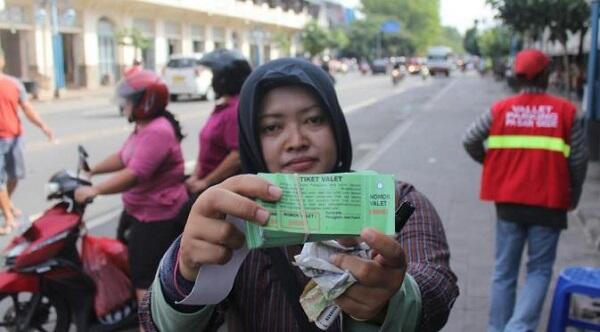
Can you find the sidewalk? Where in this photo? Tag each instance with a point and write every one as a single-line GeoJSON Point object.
{"type": "Point", "coordinates": [71, 100]}
{"type": "Point", "coordinates": [430, 155]}
{"type": "Point", "coordinates": [588, 211]}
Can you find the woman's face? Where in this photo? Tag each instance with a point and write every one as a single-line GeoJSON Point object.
{"type": "Point", "coordinates": [295, 133]}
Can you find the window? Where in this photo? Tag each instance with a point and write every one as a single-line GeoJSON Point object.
{"type": "Point", "coordinates": [198, 46]}
{"type": "Point", "coordinates": [181, 63]}
{"type": "Point", "coordinates": [218, 35]}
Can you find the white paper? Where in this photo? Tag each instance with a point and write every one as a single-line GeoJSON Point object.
{"type": "Point", "coordinates": [214, 282]}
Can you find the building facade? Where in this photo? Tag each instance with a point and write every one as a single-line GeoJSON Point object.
{"type": "Point", "coordinates": [85, 43]}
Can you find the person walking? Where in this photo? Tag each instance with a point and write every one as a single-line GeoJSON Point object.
{"type": "Point", "coordinates": [12, 164]}
{"type": "Point", "coordinates": [533, 170]}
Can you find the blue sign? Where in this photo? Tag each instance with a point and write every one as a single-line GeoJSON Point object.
{"type": "Point", "coordinates": [390, 27]}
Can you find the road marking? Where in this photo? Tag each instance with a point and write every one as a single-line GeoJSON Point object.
{"type": "Point", "coordinates": [439, 95]}
{"type": "Point", "coordinates": [372, 157]}
{"type": "Point", "coordinates": [371, 101]}
{"type": "Point", "coordinates": [386, 143]}
{"type": "Point", "coordinates": [355, 107]}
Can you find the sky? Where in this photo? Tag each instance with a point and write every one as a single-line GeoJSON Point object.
{"type": "Point", "coordinates": [457, 13]}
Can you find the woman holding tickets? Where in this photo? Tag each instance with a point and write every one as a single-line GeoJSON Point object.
{"type": "Point", "coordinates": [291, 122]}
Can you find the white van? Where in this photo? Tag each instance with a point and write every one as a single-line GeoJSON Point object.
{"type": "Point", "coordinates": [185, 76]}
{"type": "Point", "coordinates": [439, 60]}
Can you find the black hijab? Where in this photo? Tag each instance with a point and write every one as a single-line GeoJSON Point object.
{"type": "Point", "coordinates": [288, 72]}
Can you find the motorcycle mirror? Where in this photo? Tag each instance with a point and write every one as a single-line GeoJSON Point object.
{"type": "Point", "coordinates": [83, 155]}
{"type": "Point", "coordinates": [82, 152]}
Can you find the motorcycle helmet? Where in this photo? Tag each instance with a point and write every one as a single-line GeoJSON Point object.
{"type": "Point", "coordinates": [230, 70]}
{"type": "Point", "coordinates": [146, 91]}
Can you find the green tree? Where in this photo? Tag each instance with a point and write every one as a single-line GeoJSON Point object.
{"type": "Point", "coordinates": [283, 42]}
{"type": "Point", "coordinates": [314, 38]}
{"type": "Point", "coordinates": [471, 43]}
{"type": "Point", "coordinates": [338, 39]}
{"type": "Point", "coordinates": [452, 38]}
{"type": "Point", "coordinates": [134, 38]}
{"type": "Point", "coordinates": [362, 35]}
{"type": "Point", "coordinates": [495, 42]}
{"type": "Point", "coordinates": [561, 18]}
{"type": "Point", "coordinates": [529, 18]}
{"type": "Point", "coordinates": [398, 44]}
{"type": "Point", "coordinates": [420, 19]}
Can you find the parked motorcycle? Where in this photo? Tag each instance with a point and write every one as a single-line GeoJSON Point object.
{"type": "Point", "coordinates": [43, 285]}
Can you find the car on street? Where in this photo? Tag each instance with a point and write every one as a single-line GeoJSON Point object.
{"type": "Point", "coordinates": [379, 66]}
{"type": "Point", "coordinates": [440, 60]}
{"type": "Point", "coordinates": [185, 76]}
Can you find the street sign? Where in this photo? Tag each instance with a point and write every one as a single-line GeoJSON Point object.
{"type": "Point", "coordinates": [390, 27]}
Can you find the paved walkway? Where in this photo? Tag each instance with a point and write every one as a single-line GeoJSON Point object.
{"type": "Point", "coordinates": [430, 155]}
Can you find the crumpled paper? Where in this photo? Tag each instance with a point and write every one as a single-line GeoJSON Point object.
{"type": "Point", "coordinates": [328, 281]}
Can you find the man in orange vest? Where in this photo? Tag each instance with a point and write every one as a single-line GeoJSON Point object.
{"type": "Point", "coordinates": [534, 164]}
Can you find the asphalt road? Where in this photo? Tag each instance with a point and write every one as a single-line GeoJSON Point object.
{"type": "Point", "coordinates": [93, 121]}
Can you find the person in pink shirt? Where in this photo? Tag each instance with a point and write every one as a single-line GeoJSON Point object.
{"type": "Point", "coordinates": [219, 157]}
{"type": "Point", "coordinates": [149, 171]}
{"type": "Point", "coordinates": [138, 66]}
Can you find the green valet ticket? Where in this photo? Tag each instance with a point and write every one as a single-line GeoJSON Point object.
{"type": "Point", "coordinates": [318, 207]}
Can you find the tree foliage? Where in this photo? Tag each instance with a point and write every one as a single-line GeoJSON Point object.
{"type": "Point", "coordinates": [134, 38]}
{"type": "Point", "coordinates": [531, 18]}
{"type": "Point", "coordinates": [558, 17]}
{"type": "Point", "coordinates": [283, 42]}
{"type": "Point", "coordinates": [420, 19]}
{"type": "Point", "coordinates": [471, 42]}
{"type": "Point", "coordinates": [495, 42]}
{"type": "Point", "coordinates": [315, 39]}
{"type": "Point", "coordinates": [451, 38]}
{"type": "Point", "coordinates": [363, 39]}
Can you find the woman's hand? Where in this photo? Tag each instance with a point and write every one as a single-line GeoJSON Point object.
{"type": "Point", "coordinates": [207, 237]}
{"type": "Point", "coordinates": [85, 194]}
{"type": "Point", "coordinates": [378, 279]}
{"type": "Point", "coordinates": [195, 185]}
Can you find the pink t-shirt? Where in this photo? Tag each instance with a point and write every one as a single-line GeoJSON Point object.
{"type": "Point", "coordinates": [218, 137]}
{"type": "Point", "coordinates": [154, 155]}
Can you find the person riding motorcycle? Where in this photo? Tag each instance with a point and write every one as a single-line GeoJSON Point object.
{"type": "Point", "coordinates": [397, 73]}
{"type": "Point", "coordinates": [149, 171]}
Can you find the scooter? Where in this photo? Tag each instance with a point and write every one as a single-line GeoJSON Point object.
{"type": "Point", "coordinates": [43, 286]}
{"type": "Point", "coordinates": [397, 75]}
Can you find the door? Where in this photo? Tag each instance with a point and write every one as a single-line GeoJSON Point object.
{"type": "Point", "coordinates": [107, 64]}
